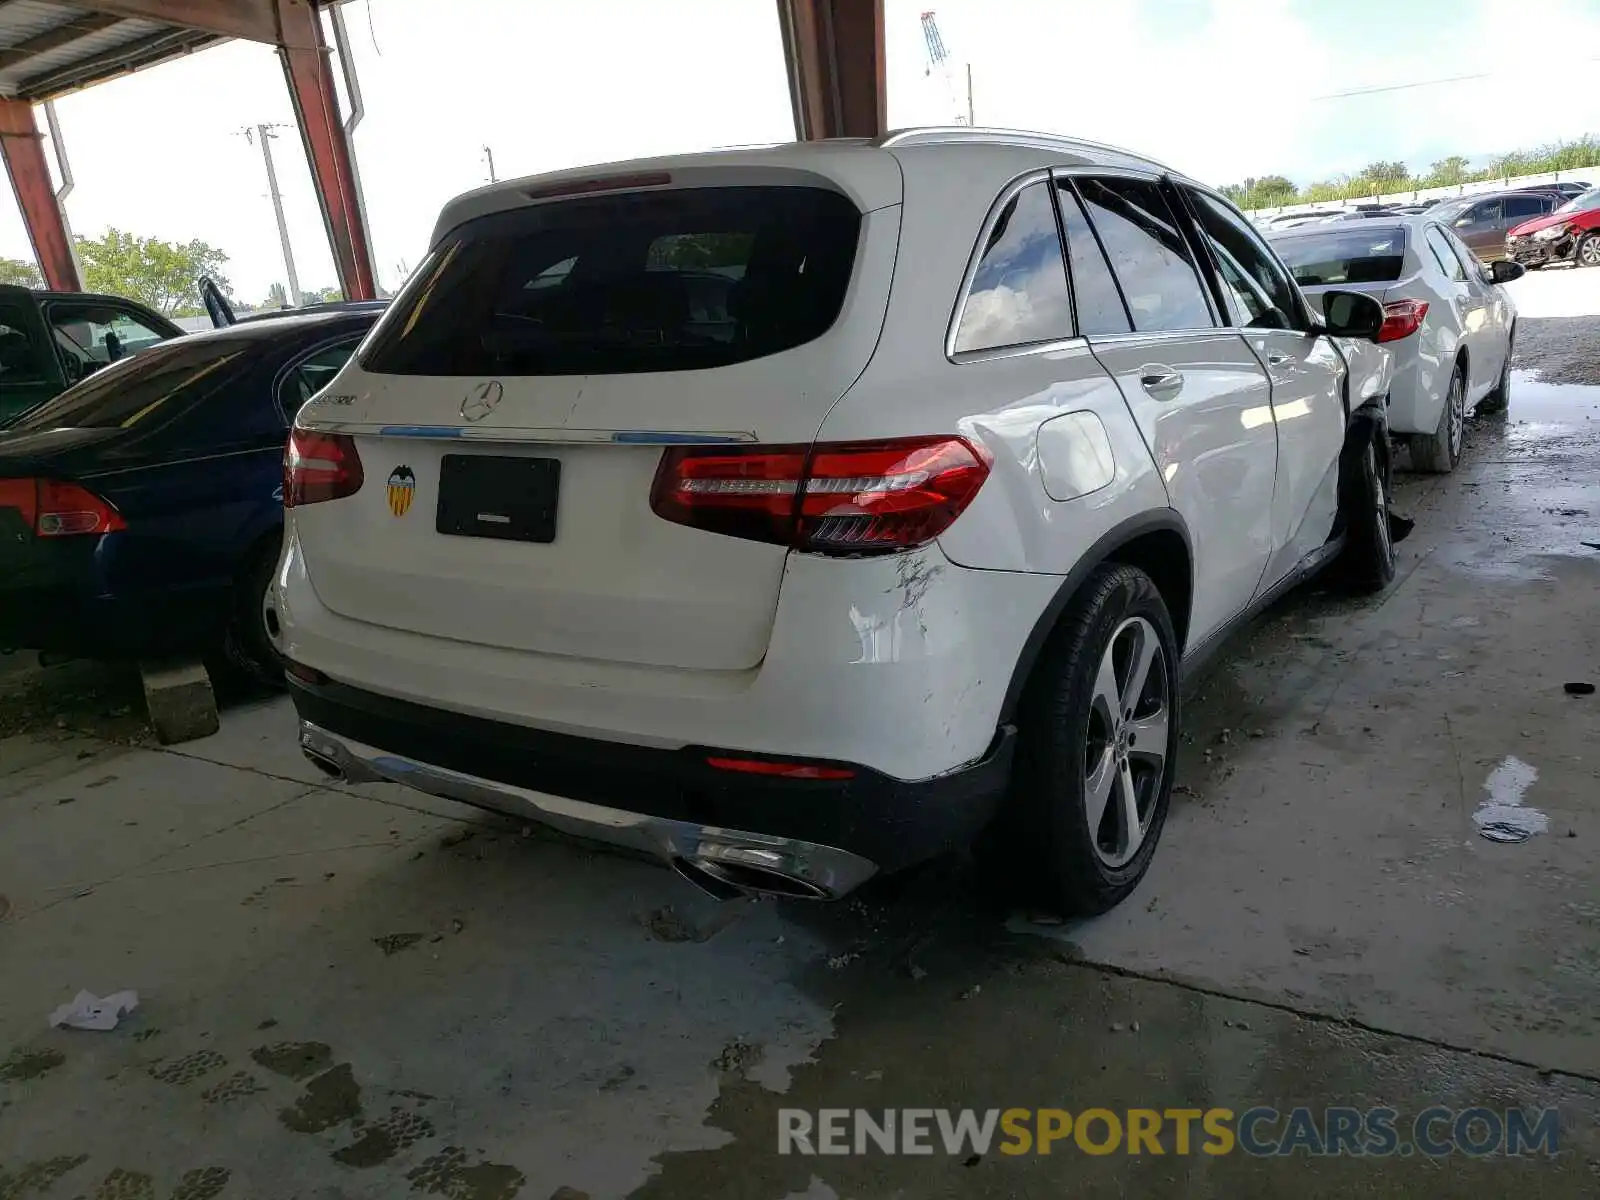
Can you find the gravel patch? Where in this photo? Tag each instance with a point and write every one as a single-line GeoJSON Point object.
{"type": "Point", "coordinates": [1560, 349]}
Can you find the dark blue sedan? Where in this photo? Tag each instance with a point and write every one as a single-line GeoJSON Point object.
{"type": "Point", "coordinates": [141, 511]}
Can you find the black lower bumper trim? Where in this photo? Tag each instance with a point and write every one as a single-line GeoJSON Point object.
{"type": "Point", "coordinates": [892, 822]}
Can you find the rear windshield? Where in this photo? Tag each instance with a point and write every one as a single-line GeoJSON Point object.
{"type": "Point", "coordinates": [1349, 254]}
{"type": "Point", "coordinates": [136, 389]}
{"type": "Point", "coordinates": [646, 281]}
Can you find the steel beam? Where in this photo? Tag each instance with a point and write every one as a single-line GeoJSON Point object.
{"type": "Point", "coordinates": [252, 20]}
{"type": "Point", "coordinates": [22, 147]}
{"type": "Point", "coordinates": [834, 51]}
{"type": "Point", "coordinates": [309, 72]}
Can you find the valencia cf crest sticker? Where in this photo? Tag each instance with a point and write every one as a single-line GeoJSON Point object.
{"type": "Point", "coordinates": [402, 486]}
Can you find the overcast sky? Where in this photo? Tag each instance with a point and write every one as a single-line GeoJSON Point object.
{"type": "Point", "coordinates": [1218, 88]}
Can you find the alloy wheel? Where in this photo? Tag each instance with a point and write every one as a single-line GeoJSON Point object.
{"type": "Point", "coordinates": [1385, 541]}
{"type": "Point", "coordinates": [1125, 755]}
{"type": "Point", "coordinates": [1589, 251]}
{"type": "Point", "coordinates": [1457, 403]}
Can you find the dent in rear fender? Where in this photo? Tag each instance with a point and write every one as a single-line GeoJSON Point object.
{"type": "Point", "coordinates": [1014, 408]}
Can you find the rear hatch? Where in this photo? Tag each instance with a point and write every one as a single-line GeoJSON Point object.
{"type": "Point", "coordinates": [1353, 257]}
{"type": "Point", "coordinates": [512, 408]}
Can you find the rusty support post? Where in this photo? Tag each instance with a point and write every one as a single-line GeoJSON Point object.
{"type": "Point", "coordinates": [309, 72]}
{"type": "Point", "coordinates": [22, 147]}
{"type": "Point", "coordinates": [834, 51]}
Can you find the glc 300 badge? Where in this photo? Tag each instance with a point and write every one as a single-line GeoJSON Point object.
{"type": "Point", "coordinates": [402, 486]}
{"type": "Point", "coordinates": [482, 400]}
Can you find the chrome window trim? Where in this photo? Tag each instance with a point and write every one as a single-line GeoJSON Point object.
{"type": "Point", "coordinates": [1007, 194]}
{"type": "Point", "coordinates": [1020, 350]}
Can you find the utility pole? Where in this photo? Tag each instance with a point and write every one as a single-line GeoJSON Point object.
{"type": "Point", "coordinates": [266, 135]}
{"type": "Point", "coordinates": [488, 155]}
{"type": "Point", "coordinates": [972, 118]}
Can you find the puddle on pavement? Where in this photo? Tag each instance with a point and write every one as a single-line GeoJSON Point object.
{"type": "Point", "coordinates": [1503, 817]}
{"type": "Point", "coordinates": [1539, 409]}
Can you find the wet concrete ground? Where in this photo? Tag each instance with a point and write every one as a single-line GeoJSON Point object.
{"type": "Point", "coordinates": [366, 993]}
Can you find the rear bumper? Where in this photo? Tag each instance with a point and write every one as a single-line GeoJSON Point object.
{"type": "Point", "coordinates": [831, 835]}
{"type": "Point", "coordinates": [899, 664]}
{"type": "Point", "coordinates": [61, 619]}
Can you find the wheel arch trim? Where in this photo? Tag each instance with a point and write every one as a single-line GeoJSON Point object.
{"type": "Point", "coordinates": [1103, 550]}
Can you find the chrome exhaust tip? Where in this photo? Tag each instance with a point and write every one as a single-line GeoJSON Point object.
{"type": "Point", "coordinates": [759, 872]}
{"type": "Point", "coordinates": [324, 764]}
{"type": "Point", "coordinates": [712, 885]}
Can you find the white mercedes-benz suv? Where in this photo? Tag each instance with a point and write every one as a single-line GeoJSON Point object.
{"type": "Point", "coordinates": [796, 514]}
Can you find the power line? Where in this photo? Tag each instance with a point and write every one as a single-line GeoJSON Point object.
{"type": "Point", "coordinates": [1421, 83]}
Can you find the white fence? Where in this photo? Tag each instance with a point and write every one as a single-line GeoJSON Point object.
{"type": "Point", "coordinates": [1581, 175]}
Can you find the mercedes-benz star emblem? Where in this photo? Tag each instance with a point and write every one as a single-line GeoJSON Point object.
{"type": "Point", "coordinates": [482, 400]}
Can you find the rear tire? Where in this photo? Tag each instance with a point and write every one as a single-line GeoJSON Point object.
{"type": "Point", "coordinates": [1587, 252]}
{"type": "Point", "coordinates": [247, 649]}
{"type": "Point", "coordinates": [1499, 400]}
{"type": "Point", "coordinates": [1368, 557]}
{"type": "Point", "coordinates": [1098, 746]}
{"type": "Point", "coordinates": [1439, 452]}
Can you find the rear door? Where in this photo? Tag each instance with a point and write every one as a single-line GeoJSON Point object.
{"type": "Point", "coordinates": [1196, 390]}
{"type": "Point", "coordinates": [1472, 308]}
{"type": "Point", "coordinates": [517, 398]}
{"type": "Point", "coordinates": [1306, 374]}
{"type": "Point", "coordinates": [29, 372]}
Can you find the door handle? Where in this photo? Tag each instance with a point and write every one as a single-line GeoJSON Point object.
{"type": "Point", "coordinates": [1277, 360]}
{"type": "Point", "coordinates": [1162, 383]}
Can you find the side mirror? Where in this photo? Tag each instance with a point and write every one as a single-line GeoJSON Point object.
{"type": "Point", "coordinates": [1351, 314]}
{"type": "Point", "coordinates": [1503, 270]}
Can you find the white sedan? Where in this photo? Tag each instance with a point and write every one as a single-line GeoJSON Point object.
{"type": "Point", "coordinates": [1450, 323]}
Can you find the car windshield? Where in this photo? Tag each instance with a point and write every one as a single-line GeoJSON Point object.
{"type": "Point", "coordinates": [1345, 255]}
{"type": "Point", "coordinates": [1582, 202]}
{"type": "Point", "coordinates": [130, 390]}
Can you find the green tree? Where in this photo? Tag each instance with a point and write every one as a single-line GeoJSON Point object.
{"type": "Point", "coordinates": [1447, 172]}
{"type": "Point", "coordinates": [1275, 189]}
{"type": "Point", "coordinates": [1382, 177]}
{"type": "Point", "coordinates": [327, 295]}
{"type": "Point", "coordinates": [161, 274]}
{"type": "Point", "coordinates": [277, 297]}
{"type": "Point", "coordinates": [24, 274]}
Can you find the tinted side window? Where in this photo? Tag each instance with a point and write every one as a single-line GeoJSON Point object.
{"type": "Point", "coordinates": [1265, 297]}
{"type": "Point", "coordinates": [1094, 291]}
{"type": "Point", "coordinates": [1520, 208]}
{"type": "Point", "coordinates": [313, 373]}
{"type": "Point", "coordinates": [160, 385]}
{"type": "Point", "coordinates": [19, 355]}
{"type": "Point", "coordinates": [1444, 254]}
{"type": "Point", "coordinates": [1480, 216]}
{"type": "Point", "coordinates": [1019, 292]}
{"type": "Point", "coordinates": [1148, 253]}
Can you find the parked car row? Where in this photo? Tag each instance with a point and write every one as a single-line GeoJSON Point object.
{"type": "Point", "coordinates": [1492, 224]}
{"type": "Point", "coordinates": [790, 515]}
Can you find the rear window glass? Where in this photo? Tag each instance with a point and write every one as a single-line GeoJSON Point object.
{"type": "Point", "coordinates": [655, 281]}
{"type": "Point", "coordinates": [1354, 255]}
{"type": "Point", "coordinates": [134, 390]}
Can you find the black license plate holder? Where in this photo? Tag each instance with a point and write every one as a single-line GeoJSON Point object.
{"type": "Point", "coordinates": [512, 499]}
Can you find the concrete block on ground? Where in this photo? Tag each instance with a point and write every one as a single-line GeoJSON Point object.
{"type": "Point", "coordinates": [179, 699]}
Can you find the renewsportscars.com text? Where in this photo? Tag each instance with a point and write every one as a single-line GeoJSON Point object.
{"type": "Point", "coordinates": [1261, 1131]}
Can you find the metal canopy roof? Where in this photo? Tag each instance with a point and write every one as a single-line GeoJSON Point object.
{"type": "Point", "coordinates": [47, 48]}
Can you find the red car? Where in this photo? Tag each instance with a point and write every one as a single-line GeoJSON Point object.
{"type": "Point", "coordinates": [1570, 234]}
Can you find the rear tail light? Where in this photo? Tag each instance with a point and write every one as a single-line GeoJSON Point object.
{"type": "Point", "coordinates": [845, 498]}
{"type": "Point", "coordinates": [1402, 318]}
{"type": "Point", "coordinates": [319, 466]}
{"type": "Point", "coordinates": [51, 508]}
{"type": "Point", "coordinates": [780, 770]}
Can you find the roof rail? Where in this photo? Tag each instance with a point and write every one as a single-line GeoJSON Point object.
{"type": "Point", "coordinates": [933, 135]}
